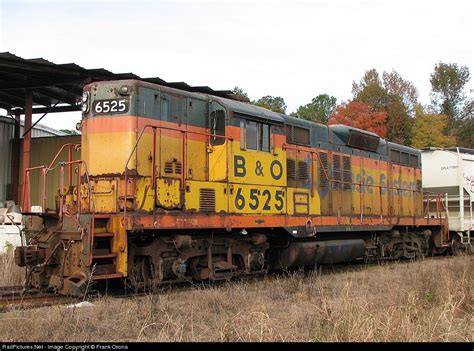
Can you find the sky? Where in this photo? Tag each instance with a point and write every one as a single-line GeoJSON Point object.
{"type": "Point", "coordinates": [293, 49]}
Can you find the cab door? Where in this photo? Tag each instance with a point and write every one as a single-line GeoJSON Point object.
{"type": "Point", "coordinates": [217, 148]}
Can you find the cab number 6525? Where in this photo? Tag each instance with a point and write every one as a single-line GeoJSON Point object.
{"type": "Point", "coordinates": [110, 106]}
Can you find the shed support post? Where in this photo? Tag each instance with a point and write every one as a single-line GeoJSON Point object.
{"type": "Point", "coordinates": [15, 162]}
{"type": "Point", "coordinates": [27, 137]}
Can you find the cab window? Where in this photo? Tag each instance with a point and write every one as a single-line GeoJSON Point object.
{"type": "Point", "coordinates": [257, 135]}
{"type": "Point", "coordinates": [217, 124]}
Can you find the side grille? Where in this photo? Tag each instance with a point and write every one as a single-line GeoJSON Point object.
{"type": "Point", "coordinates": [168, 167]}
{"type": "Point", "coordinates": [346, 172]}
{"type": "Point", "coordinates": [323, 170]}
{"type": "Point", "coordinates": [291, 168]}
{"type": "Point", "coordinates": [207, 200]}
{"type": "Point", "coordinates": [336, 171]}
{"type": "Point", "coordinates": [178, 167]}
{"type": "Point", "coordinates": [303, 170]}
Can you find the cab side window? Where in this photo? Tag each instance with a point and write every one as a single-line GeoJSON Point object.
{"type": "Point", "coordinates": [256, 135]}
{"type": "Point", "coordinates": [217, 127]}
{"type": "Point", "coordinates": [252, 135]}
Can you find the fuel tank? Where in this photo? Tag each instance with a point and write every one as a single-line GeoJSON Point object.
{"type": "Point", "coordinates": [324, 252]}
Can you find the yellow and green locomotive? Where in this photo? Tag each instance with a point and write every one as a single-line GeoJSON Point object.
{"type": "Point", "coordinates": [175, 185]}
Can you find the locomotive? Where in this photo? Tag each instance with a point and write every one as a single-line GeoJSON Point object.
{"type": "Point", "coordinates": [179, 186]}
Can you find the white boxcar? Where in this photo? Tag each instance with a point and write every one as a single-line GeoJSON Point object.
{"type": "Point", "coordinates": [451, 172]}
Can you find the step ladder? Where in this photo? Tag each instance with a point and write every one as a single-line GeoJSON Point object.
{"type": "Point", "coordinates": [103, 259]}
{"type": "Point", "coordinates": [465, 237]}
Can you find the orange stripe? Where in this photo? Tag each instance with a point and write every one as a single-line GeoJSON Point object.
{"type": "Point", "coordinates": [183, 220]}
{"type": "Point", "coordinates": [134, 124]}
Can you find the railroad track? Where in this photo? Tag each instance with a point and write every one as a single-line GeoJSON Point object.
{"type": "Point", "coordinates": [13, 296]}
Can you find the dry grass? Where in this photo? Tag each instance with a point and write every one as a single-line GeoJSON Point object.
{"type": "Point", "coordinates": [431, 300]}
{"type": "Point", "coordinates": [10, 273]}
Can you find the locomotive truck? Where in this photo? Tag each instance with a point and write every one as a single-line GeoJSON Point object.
{"type": "Point", "coordinates": [179, 186]}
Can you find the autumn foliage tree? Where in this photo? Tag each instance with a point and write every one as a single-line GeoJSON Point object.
{"type": "Point", "coordinates": [393, 95]}
{"type": "Point", "coordinates": [359, 115]}
{"type": "Point", "coordinates": [428, 130]}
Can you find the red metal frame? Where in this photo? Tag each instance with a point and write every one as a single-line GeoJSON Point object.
{"type": "Point", "coordinates": [26, 198]}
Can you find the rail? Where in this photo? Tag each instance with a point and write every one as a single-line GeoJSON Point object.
{"type": "Point", "coordinates": [11, 296]}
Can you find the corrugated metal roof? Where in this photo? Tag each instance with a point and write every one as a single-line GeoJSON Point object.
{"type": "Point", "coordinates": [39, 130]}
{"type": "Point", "coordinates": [58, 87]}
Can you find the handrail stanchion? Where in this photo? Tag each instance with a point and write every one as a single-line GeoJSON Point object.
{"type": "Point", "coordinates": [61, 191]}
{"type": "Point", "coordinates": [43, 190]}
{"type": "Point", "coordinates": [78, 190]}
{"type": "Point", "coordinates": [69, 159]}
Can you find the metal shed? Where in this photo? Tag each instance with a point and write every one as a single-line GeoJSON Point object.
{"type": "Point", "coordinates": [7, 133]}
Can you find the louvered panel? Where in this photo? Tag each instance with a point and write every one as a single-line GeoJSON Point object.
{"type": "Point", "coordinates": [178, 167]}
{"type": "Point", "coordinates": [346, 172]}
{"type": "Point", "coordinates": [291, 168]}
{"type": "Point", "coordinates": [303, 170]}
{"type": "Point", "coordinates": [336, 171]}
{"type": "Point", "coordinates": [207, 200]}
{"type": "Point", "coordinates": [168, 167]}
{"type": "Point", "coordinates": [323, 170]}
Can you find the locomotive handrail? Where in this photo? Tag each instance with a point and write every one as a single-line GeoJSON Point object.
{"type": "Point", "coordinates": [437, 196]}
{"type": "Point", "coordinates": [26, 200]}
{"type": "Point", "coordinates": [154, 127]}
{"type": "Point", "coordinates": [45, 169]}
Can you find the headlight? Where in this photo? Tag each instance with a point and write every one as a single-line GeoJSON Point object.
{"type": "Point", "coordinates": [85, 96]}
{"type": "Point", "coordinates": [124, 90]}
{"type": "Point", "coordinates": [85, 107]}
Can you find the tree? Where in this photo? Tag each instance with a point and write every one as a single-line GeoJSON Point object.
{"type": "Point", "coordinates": [318, 110]}
{"type": "Point", "coordinates": [370, 90]}
{"type": "Point", "coordinates": [447, 84]}
{"type": "Point", "coordinates": [399, 123]}
{"type": "Point", "coordinates": [274, 103]}
{"type": "Point", "coordinates": [465, 133]}
{"type": "Point", "coordinates": [240, 92]}
{"type": "Point", "coordinates": [359, 115]}
{"type": "Point", "coordinates": [393, 95]}
{"type": "Point", "coordinates": [428, 130]}
{"type": "Point", "coordinates": [398, 88]}
{"type": "Point", "coordinates": [69, 131]}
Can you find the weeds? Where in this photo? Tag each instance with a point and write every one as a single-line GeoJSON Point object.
{"type": "Point", "coordinates": [430, 300]}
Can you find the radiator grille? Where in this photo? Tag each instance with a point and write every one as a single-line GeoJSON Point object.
{"type": "Point", "coordinates": [346, 172]}
{"type": "Point", "coordinates": [303, 170]}
{"type": "Point", "coordinates": [291, 168]}
{"type": "Point", "coordinates": [207, 200]}
{"type": "Point", "coordinates": [323, 170]}
{"type": "Point", "coordinates": [336, 171]}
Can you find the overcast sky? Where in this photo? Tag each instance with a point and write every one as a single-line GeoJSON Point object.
{"type": "Point", "coordinates": [293, 49]}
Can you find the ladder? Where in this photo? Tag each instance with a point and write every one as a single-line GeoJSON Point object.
{"type": "Point", "coordinates": [103, 260]}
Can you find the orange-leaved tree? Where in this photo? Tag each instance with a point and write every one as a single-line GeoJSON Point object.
{"type": "Point", "coordinates": [359, 115]}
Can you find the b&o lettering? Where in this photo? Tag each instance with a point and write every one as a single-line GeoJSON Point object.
{"type": "Point", "coordinates": [239, 166]}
